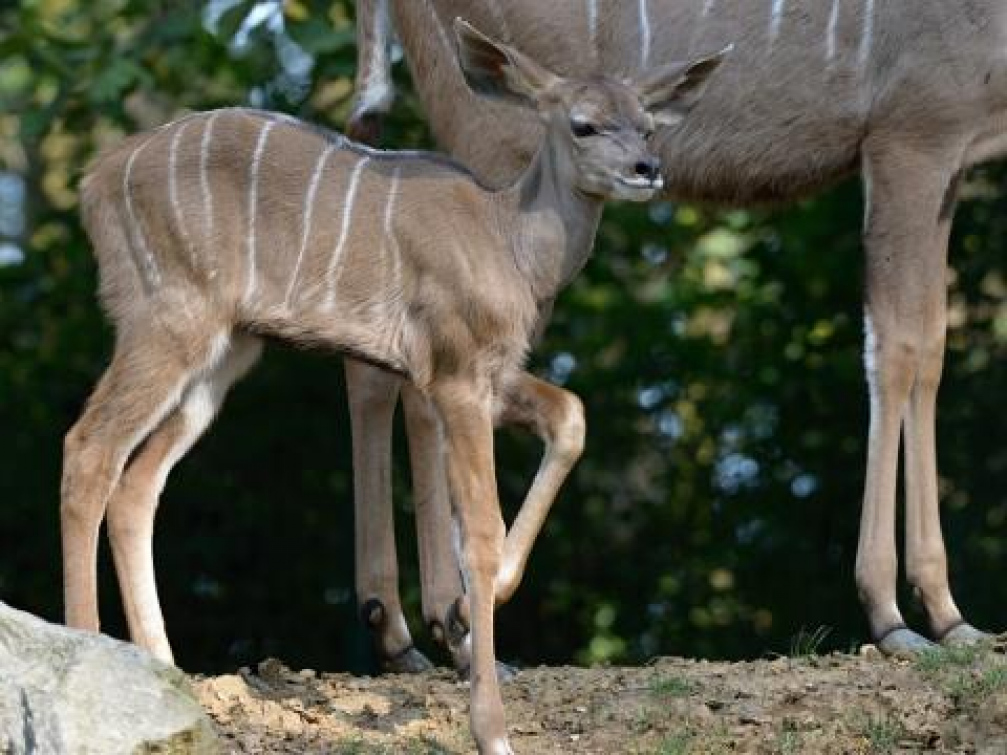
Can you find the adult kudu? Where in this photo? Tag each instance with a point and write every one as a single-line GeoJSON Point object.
{"type": "Point", "coordinates": [221, 228]}
{"type": "Point", "coordinates": [910, 93]}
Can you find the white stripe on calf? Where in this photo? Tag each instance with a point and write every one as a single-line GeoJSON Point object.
{"type": "Point", "coordinates": [309, 204]}
{"type": "Point", "coordinates": [344, 232]}
{"type": "Point", "coordinates": [148, 271]}
{"type": "Point", "coordinates": [392, 265]}
{"type": "Point", "coordinates": [253, 195]}
{"type": "Point", "coordinates": [391, 247]}
{"type": "Point", "coordinates": [644, 21]}
{"type": "Point", "coordinates": [204, 183]}
{"type": "Point", "coordinates": [173, 192]}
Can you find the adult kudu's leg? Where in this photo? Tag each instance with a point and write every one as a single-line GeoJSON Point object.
{"type": "Point", "coordinates": [149, 373]}
{"type": "Point", "coordinates": [373, 394]}
{"type": "Point", "coordinates": [909, 208]}
{"type": "Point", "coordinates": [134, 503]}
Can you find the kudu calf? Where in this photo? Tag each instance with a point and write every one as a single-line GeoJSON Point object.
{"type": "Point", "coordinates": [910, 92]}
{"type": "Point", "coordinates": [226, 226]}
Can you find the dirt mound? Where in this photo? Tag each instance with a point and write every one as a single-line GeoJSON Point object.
{"type": "Point", "coordinates": [947, 701]}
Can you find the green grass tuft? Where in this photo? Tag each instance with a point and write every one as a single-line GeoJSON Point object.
{"type": "Point", "coordinates": [672, 687]}
{"type": "Point", "coordinates": [806, 644]}
{"type": "Point", "coordinates": [882, 733]}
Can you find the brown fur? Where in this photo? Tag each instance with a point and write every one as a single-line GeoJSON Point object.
{"type": "Point", "coordinates": [907, 93]}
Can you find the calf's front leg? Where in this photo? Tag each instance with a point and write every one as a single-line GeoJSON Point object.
{"type": "Point", "coordinates": [465, 408]}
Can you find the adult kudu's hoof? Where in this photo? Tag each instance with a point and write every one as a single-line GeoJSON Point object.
{"type": "Point", "coordinates": [409, 661]}
{"type": "Point", "coordinates": [964, 634]}
{"type": "Point", "coordinates": [903, 642]}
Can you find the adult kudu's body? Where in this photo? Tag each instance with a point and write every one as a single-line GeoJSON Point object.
{"type": "Point", "coordinates": [909, 93]}
{"type": "Point", "coordinates": [224, 227]}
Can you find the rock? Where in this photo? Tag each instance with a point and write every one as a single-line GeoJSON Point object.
{"type": "Point", "coordinates": [64, 691]}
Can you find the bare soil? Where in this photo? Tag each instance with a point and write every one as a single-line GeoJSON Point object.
{"type": "Point", "coordinates": [947, 702]}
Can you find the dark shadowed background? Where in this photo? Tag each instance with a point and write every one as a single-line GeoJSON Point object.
{"type": "Point", "coordinates": [718, 354]}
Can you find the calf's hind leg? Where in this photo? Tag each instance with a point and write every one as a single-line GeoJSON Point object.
{"type": "Point", "coordinates": [132, 507]}
{"type": "Point", "coordinates": [150, 371]}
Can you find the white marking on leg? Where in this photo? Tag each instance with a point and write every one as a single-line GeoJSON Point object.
{"type": "Point", "coordinates": [870, 355]}
{"type": "Point", "coordinates": [592, 26]}
{"type": "Point", "coordinates": [867, 38]}
{"type": "Point", "coordinates": [775, 21]}
{"type": "Point", "coordinates": [378, 91]}
{"type": "Point", "coordinates": [832, 33]}
{"type": "Point", "coordinates": [309, 204]}
{"type": "Point", "coordinates": [204, 185]}
{"type": "Point", "coordinates": [501, 21]}
{"type": "Point", "coordinates": [173, 193]}
{"type": "Point", "coordinates": [344, 232]}
{"type": "Point", "coordinates": [253, 196]}
{"type": "Point", "coordinates": [149, 270]}
{"type": "Point", "coordinates": [644, 21]}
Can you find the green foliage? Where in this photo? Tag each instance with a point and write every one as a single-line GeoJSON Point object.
{"type": "Point", "coordinates": [421, 746]}
{"type": "Point", "coordinates": [718, 354]}
{"type": "Point", "coordinates": [967, 675]}
{"type": "Point", "coordinates": [789, 740]}
{"type": "Point", "coordinates": [672, 687]}
{"type": "Point", "coordinates": [807, 644]}
{"type": "Point", "coordinates": [675, 744]}
{"type": "Point", "coordinates": [882, 733]}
